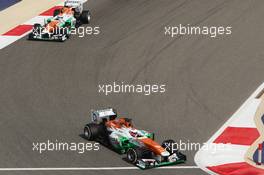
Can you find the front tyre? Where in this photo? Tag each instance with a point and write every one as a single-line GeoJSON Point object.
{"type": "Point", "coordinates": [135, 154]}
{"type": "Point", "coordinates": [132, 156]}
{"type": "Point", "coordinates": [31, 36]}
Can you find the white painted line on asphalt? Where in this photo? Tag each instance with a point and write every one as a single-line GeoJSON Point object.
{"type": "Point", "coordinates": [93, 169]}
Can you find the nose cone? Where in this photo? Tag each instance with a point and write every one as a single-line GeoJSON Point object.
{"type": "Point", "coordinates": [153, 146]}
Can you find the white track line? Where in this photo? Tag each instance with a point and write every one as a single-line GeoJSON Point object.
{"type": "Point", "coordinates": [92, 169]}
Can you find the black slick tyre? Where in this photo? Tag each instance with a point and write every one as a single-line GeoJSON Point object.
{"type": "Point", "coordinates": [85, 17]}
{"type": "Point", "coordinates": [91, 131]}
{"type": "Point", "coordinates": [135, 154]}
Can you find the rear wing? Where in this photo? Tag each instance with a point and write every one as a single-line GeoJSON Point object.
{"type": "Point", "coordinates": [74, 3]}
{"type": "Point", "coordinates": [99, 115]}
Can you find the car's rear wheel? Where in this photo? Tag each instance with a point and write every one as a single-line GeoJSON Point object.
{"type": "Point", "coordinates": [91, 131]}
{"type": "Point", "coordinates": [87, 133]}
{"type": "Point", "coordinates": [85, 17]}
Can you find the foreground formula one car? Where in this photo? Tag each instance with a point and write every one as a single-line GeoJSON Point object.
{"type": "Point", "coordinates": [139, 145]}
{"type": "Point", "coordinates": [64, 20]}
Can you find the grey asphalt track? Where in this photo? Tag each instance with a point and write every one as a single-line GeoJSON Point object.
{"type": "Point", "coordinates": [47, 89]}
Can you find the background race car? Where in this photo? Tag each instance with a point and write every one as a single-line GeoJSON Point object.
{"type": "Point", "coordinates": [64, 20]}
{"type": "Point", "coordinates": [139, 145]}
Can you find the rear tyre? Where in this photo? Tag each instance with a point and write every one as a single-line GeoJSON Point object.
{"type": "Point", "coordinates": [91, 131]}
{"type": "Point", "coordinates": [135, 154]}
{"type": "Point", "coordinates": [85, 17]}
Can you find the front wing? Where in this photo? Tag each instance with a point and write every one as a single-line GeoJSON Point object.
{"type": "Point", "coordinates": [152, 163]}
{"type": "Point", "coordinates": [47, 37]}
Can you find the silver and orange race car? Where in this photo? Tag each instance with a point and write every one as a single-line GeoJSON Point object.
{"type": "Point", "coordinates": [64, 20]}
{"type": "Point", "coordinates": [139, 146]}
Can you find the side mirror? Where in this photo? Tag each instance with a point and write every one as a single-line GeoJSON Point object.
{"type": "Point", "coordinates": [152, 136]}
{"type": "Point", "coordinates": [93, 116]}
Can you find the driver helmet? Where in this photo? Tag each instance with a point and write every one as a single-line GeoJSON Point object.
{"type": "Point", "coordinates": [63, 10]}
{"type": "Point", "coordinates": [133, 133]}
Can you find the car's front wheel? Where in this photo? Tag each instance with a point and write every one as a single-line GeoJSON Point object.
{"type": "Point", "coordinates": [134, 154]}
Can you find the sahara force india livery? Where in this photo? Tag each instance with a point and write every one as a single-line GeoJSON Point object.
{"type": "Point", "coordinates": [139, 145]}
{"type": "Point", "coordinates": [64, 20]}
